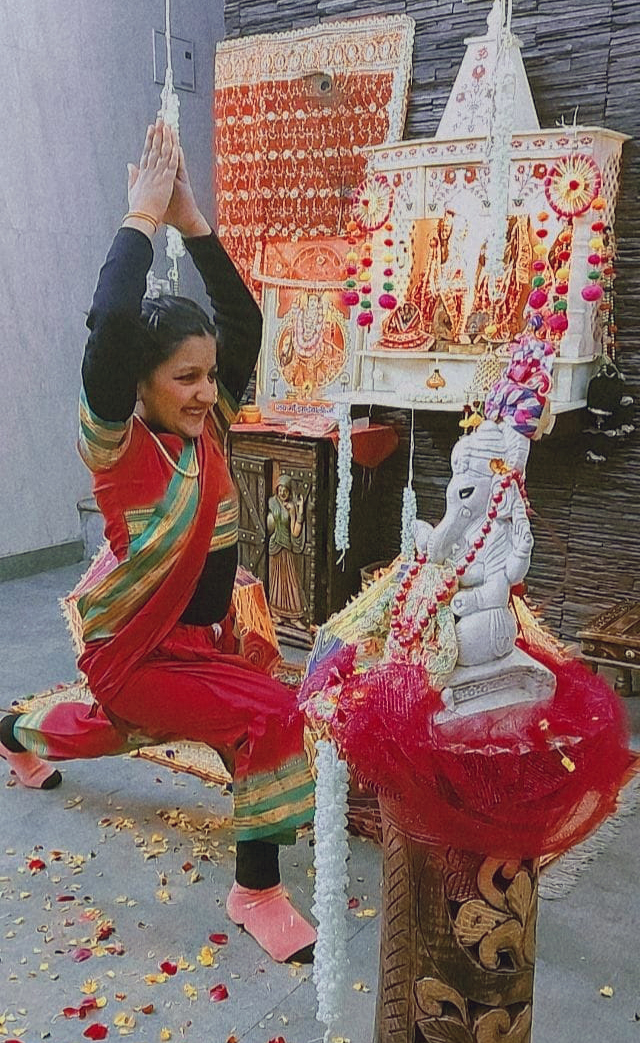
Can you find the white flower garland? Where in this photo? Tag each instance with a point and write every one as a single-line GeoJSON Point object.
{"type": "Point", "coordinates": [409, 505]}
{"type": "Point", "coordinates": [330, 895]}
{"type": "Point", "coordinates": [409, 516]}
{"type": "Point", "coordinates": [502, 121]}
{"type": "Point", "coordinates": [345, 481]}
{"type": "Point", "coordinates": [169, 111]}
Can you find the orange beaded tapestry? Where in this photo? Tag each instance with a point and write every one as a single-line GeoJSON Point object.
{"type": "Point", "coordinates": [293, 112]}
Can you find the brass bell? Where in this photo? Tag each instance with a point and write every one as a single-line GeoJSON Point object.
{"type": "Point", "coordinates": [436, 380]}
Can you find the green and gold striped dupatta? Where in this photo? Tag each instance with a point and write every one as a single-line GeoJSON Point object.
{"type": "Point", "coordinates": [152, 554]}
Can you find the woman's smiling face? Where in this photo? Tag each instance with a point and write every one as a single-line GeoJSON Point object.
{"type": "Point", "coordinates": [178, 394]}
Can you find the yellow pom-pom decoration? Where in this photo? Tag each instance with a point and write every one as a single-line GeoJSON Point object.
{"type": "Point", "coordinates": [562, 274]}
{"type": "Point", "coordinates": [596, 243]}
{"type": "Point", "coordinates": [599, 203]}
{"type": "Point", "coordinates": [364, 275]}
{"type": "Point", "coordinates": [352, 256]}
{"type": "Point", "coordinates": [388, 258]}
{"type": "Point", "coordinates": [540, 250]}
{"type": "Point", "coordinates": [543, 216]}
{"type": "Point", "coordinates": [491, 329]}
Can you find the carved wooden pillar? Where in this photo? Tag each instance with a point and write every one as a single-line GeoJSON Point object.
{"type": "Point", "coordinates": [458, 945]}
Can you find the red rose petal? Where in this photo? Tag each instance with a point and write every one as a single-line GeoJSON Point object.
{"type": "Point", "coordinates": [168, 968]}
{"type": "Point", "coordinates": [354, 903]}
{"type": "Point", "coordinates": [96, 1031]}
{"type": "Point", "coordinates": [219, 939]}
{"type": "Point", "coordinates": [36, 865]}
{"type": "Point", "coordinates": [218, 993]}
{"type": "Point", "coordinates": [66, 898]}
{"type": "Point", "coordinates": [80, 955]}
{"type": "Point", "coordinates": [70, 1012]}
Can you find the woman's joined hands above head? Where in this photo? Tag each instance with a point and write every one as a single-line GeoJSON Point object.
{"type": "Point", "coordinates": [151, 184]}
{"type": "Point", "coordinates": [160, 186]}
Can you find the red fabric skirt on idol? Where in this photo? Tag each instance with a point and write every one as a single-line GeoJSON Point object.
{"type": "Point", "coordinates": [522, 783]}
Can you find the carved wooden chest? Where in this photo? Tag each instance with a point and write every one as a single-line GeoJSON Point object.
{"type": "Point", "coordinates": [287, 488]}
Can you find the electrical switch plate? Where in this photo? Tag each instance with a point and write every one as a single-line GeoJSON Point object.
{"type": "Point", "coordinates": [182, 60]}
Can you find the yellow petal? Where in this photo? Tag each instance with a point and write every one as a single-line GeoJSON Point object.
{"type": "Point", "coordinates": [124, 1021]}
{"type": "Point", "coordinates": [89, 986]}
{"type": "Point", "coordinates": [165, 1034]}
{"type": "Point", "coordinates": [206, 956]}
{"type": "Point", "coordinates": [190, 991]}
{"type": "Point", "coordinates": [607, 991]}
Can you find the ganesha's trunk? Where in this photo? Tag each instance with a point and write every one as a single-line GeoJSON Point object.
{"type": "Point", "coordinates": [445, 537]}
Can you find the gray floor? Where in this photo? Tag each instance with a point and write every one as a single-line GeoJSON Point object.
{"type": "Point", "coordinates": [120, 856]}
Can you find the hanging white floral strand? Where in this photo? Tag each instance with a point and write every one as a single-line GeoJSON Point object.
{"type": "Point", "coordinates": [345, 481]}
{"type": "Point", "coordinates": [502, 122]}
{"type": "Point", "coordinates": [330, 903]}
{"type": "Point", "coordinates": [169, 111]}
{"type": "Point", "coordinates": [409, 504]}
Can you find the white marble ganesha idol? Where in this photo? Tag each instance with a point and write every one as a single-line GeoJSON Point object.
{"type": "Point", "coordinates": [485, 534]}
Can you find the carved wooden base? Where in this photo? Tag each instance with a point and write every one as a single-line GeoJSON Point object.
{"type": "Point", "coordinates": [458, 945]}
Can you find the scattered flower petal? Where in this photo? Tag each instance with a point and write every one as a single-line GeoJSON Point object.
{"type": "Point", "coordinates": [89, 986]}
{"type": "Point", "coordinates": [168, 968]}
{"type": "Point", "coordinates": [156, 979]}
{"type": "Point", "coordinates": [607, 991]}
{"type": "Point", "coordinates": [80, 955]}
{"type": "Point", "coordinates": [219, 939]}
{"type": "Point", "coordinates": [218, 993]}
{"type": "Point", "coordinates": [206, 957]}
{"type": "Point", "coordinates": [124, 1021]}
{"type": "Point", "coordinates": [96, 1031]}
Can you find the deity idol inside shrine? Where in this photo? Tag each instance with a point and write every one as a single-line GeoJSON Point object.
{"type": "Point", "coordinates": [460, 254]}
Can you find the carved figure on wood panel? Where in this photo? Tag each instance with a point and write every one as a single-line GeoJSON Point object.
{"type": "Point", "coordinates": [285, 525]}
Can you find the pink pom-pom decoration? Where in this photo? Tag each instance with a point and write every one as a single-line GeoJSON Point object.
{"type": "Point", "coordinates": [558, 323]}
{"type": "Point", "coordinates": [594, 259]}
{"type": "Point", "coordinates": [365, 318]}
{"type": "Point", "coordinates": [350, 297]}
{"type": "Point", "coordinates": [593, 292]}
{"type": "Point", "coordinates": [387, 300]}
{"type": "Point", "coordinates": [539, 266]}
{"type": "Point", "coordinates": [351, 269]}
{"type": "Point", "coordinates": [537, 299]}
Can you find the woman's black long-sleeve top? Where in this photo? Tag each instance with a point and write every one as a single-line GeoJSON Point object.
{"type": "Point", "coordinates": [109, 368]}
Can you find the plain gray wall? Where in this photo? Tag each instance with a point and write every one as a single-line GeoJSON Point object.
{"type": "Point", "coordinates": [78, 92]}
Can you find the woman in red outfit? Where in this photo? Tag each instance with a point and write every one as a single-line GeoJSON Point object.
{"type": "Point", "coordinates": [161, 383]}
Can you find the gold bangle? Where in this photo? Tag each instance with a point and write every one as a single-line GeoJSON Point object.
{"type": "Point", "coordinates": [142, 217]}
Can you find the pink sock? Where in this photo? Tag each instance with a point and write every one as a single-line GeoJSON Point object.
{"type": "Point", "coordinates": [30, 770]}
{"type": "Point", "coordinates": [271, 919]}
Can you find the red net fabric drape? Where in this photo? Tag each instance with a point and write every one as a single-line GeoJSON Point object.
{"type": "Point", "coordinates": [519, 784]}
